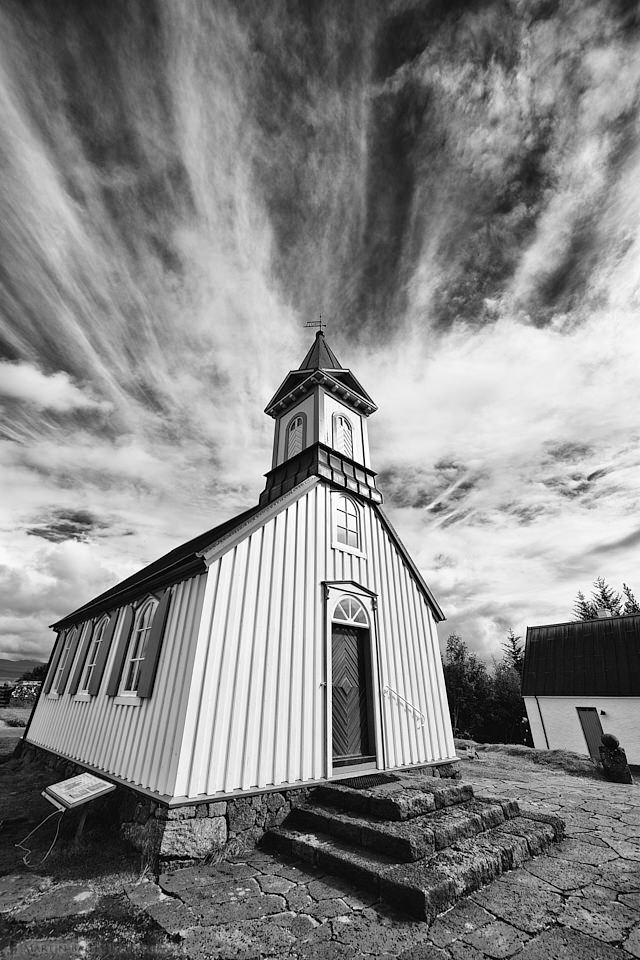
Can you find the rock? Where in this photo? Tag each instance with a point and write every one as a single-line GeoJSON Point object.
{"type": "Point", "coordinates": [16, 888]}
{"type": "Point", "coordinates": [143, 895]}
{"type": "Point", "coordinates": [241, 814]}
{"type": "Point", "coordinates": [176, 813]}
{"type": "Point", "coordinates": [63, 901]}
{"type": "Point", "coordinates": [614, 760]}
{"type": "Point", "coordinates": [193, 838]}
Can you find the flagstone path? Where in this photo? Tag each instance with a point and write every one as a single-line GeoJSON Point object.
{"type": "Point", "coordinates": [580, 902]}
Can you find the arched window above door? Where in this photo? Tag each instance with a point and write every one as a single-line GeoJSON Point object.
{"type": "Point", "coordinates": [350, 610]}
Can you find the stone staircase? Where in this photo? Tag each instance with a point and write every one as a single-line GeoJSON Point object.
{"type": "Point", "coordinates": [419, 842]}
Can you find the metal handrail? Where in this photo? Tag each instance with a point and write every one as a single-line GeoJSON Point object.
{"type": "Point", "coordinates": [388, 691]}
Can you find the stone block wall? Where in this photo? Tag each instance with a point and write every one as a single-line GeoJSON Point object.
{"type": "Point", "coordinates": [196, 831]}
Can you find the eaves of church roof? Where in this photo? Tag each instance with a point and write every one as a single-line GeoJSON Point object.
{"type": "Point", "coordinates": [319, 365]}
{"type": "Point", "coordinates": [182, 562]}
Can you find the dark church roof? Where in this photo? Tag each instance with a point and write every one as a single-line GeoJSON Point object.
{"type": "Point", "coordinates": [320, 365]}
{"type": "Point", "coordinates": [176, 565]}
{"type": "Point", "coordinates": [585, 658]}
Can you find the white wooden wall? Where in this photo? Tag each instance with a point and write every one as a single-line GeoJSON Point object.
{"type": "Point", "coordinates": [138, 742]}
{"type": "Point", "coordinates": [563, 728]}
{"type": "Point", "coordinates": [256, 714]}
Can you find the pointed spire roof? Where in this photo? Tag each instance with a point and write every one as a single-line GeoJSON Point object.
{"type": "Point", "coordinates": [320, 365]}
{"type": "Point", "coordinates": [320, 356]}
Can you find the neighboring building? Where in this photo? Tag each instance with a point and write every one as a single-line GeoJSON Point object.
{"type": "Point", "coordinates": [292, 644]}
{"type": "Point", "coordinates": [581, 680]}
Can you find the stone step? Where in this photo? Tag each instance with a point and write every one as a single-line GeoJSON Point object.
{"type": "Point", "coordinates": [431, 885]}
{"type": "Point", "coordinates": [406, 840]}
{"type": "Point", "coordinates": [403, 799]}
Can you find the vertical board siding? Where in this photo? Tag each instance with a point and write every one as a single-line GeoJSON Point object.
{"type": "Point", "coordinates": [241, 694]}
{"type": "Point", "coordinates": [257, 716]}
{"type": "Point", "coordinates": [139, 743]}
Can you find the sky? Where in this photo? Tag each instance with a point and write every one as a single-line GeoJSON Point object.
{"type": "Point", "coordinates": [454, 186]}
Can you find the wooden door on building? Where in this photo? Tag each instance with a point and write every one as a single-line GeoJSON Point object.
{"type": "Point", "coordinates": [352, 702]}
{"type": "Point", "coordinates": [592, 729]}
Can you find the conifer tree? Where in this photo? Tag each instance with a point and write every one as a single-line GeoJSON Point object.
{"type": "Point", "coordinates": [631, 605]}
{"type": "Point", "coordinates": [513, 652]}
{"type": "Point", "coordinates": [583, 608]}
{"type": "Point", "coordinates": [605, 596]}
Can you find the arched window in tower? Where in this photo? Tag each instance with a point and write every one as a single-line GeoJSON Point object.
{"type": "Point", "coordinates": [295, 436]}
{"type": "Point", "coordinates": [342, 435]}
{"type": "Point", "coordinates": [347, 523]}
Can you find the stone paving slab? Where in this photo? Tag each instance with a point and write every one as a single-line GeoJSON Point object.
{"type": "Point", "coordinates": [581, 903]}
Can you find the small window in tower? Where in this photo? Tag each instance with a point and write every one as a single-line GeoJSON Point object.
{"type": "Point", "coordinates": [347, 523]}
{"type": "Point", "coordinates": [342, 435]}
{"type": "Point", "coordinates": [295, 436]}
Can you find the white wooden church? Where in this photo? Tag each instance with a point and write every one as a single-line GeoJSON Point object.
{"type": "Point", "coordinates": [292, 644]}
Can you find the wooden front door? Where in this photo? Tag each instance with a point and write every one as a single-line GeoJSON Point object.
{"type": "Point", "coordinates": [352, 708]}
{"type": "Point", "coordinates": [592, 729]}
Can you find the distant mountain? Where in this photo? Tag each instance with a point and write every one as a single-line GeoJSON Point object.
{"type": "Point", "coordinates": [12, 670]}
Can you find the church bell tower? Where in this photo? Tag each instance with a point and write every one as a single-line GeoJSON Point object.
{"type": "Point", "coordinates": [320, 412]}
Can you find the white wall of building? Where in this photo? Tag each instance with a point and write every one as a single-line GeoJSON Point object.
{"type": "Point", "coordinates": [241, 695]}
{"type": "Point", "coordinates": [559, 716]}
{"type": "Point", "coordinates": [329, 406]}
{"type": "Point", "coordinates": [138, 740]}
{"type": "Point", "coordinates": [306, 407]}
{"type": "Point", "coordinates": [257, 713]}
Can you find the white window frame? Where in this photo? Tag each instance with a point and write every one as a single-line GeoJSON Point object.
{"type": "Point", "coordinates": [352, 621]}
{"type": "Point", "coordinates": [292, 431]}
{"type": "Point", "coordinates": [62, 663]}
{"type": "Point", "coordinates": [338, 544]}
{"type": "Point", "coordinates": [339, 435]}
{"type": "Point", "coordinates": [92, 655]}
{"type": "Point", "coordinates": [136, 648]}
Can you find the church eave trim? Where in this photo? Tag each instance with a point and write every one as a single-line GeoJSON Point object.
{"type": "Point", "coordinates": [277, 406]}
{"type": "Point", "coordinates": [419, 579]}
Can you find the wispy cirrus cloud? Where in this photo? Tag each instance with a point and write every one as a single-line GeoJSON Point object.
{"type": "Point", "coordinates": [25, 382]}
{"type": "Point", "coordinates": [454, 189]}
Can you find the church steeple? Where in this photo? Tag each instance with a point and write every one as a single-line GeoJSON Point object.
{"type": "Point", "coordinates": [320, 413]}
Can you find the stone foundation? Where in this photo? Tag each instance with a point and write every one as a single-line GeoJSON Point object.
{"type": "Point", "coordinates": [195, 831]}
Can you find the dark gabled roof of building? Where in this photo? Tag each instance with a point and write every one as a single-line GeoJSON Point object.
{"type": "Point", "coordinates": [584, 658]}
{"type": "Point", "coordinates": [182, 562]}
{"type": "Point", "coordinates": [320, 364]}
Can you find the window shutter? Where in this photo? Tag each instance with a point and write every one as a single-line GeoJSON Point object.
{"type": "Point", "coordinates": [152, 653]}
{"type": "Point", "coordinates": [70, 657]}
{"type": "Point", "coordinates": [116, 669]}
{"type": "Point", "coordinates": [55, 656]}
{"type": "Point", "coordinates": [103, 653]}
{"type": "Point", "coordinates": [75, 680]}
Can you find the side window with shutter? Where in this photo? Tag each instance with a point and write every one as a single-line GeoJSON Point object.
{"type": "Point", "coordinates": [55, 658]}
{"type": "Point", "coordinates": [134, 670]}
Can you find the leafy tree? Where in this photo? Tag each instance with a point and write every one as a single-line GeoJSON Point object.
{"type": "Point", "coordinates": [38, 673]}
{"type": "Point", "coordinates": [506, 720]}
{"type": "Point", "coordinates": [513, 652]}
{"type": "Point", "coordinates": [468, 688]}
{"type": "Point", "coordinates": [485, 704]}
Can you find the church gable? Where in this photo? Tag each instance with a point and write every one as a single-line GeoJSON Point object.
{"type": "Point", "coordinates": [293, 642]}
